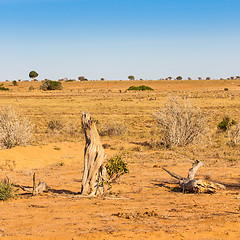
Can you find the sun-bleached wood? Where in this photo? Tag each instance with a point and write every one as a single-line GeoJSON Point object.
{"type": "Point", "coordinates": [41, 187]}
{"type": "Point", "coordinates": [192, 185]}
{"type": "Point", "coordinates": [94, 156]}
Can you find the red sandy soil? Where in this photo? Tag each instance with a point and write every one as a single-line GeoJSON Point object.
{"type": "Point", "coordinates": [140, 205]}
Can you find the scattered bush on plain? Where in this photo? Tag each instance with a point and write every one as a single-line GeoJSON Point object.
{"type": "Point", "coordinates": [55, 125]}
{"type": "Point", "coordinates": [31, 88]}
{"type": "Point", "coordinates": [15, 129]}
{"type": "Point", "coordinates": [4, 89]}
{"type": "Point", "coordinates": [14, 83]}
{"type": "Point", "coordinates": [6, 190]}
{"type": "Point", "coordinates": [226, 123]}
{"type": "Point", "coordinates": [115, 168]}
{"type": "Point", "coordinates": [59, 126]}
{"type": "Point", "coordinates": [140, 88]}
{"type": "Point", "coordinates": [49, 85]}
{"type": "Point", "coordinates": [112, 129]}
{"type": "Point", "coordinates": [180, 123]}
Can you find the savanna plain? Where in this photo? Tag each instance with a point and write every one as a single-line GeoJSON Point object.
{"type": "Point", "coordinates": [141, 204]}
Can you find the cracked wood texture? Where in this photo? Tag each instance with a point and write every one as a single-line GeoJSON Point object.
{"type": "Point", "coordinates": [192, 185]}
{"type": "Point", "coordinates": [94, 158]}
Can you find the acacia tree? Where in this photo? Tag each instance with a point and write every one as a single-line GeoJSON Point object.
{"type": "Point", "coordinates": [33, 74]}
{"type": "Point", "coordinates": [179, 78]}
{"type": "Point", "coordinates": [131, 77]}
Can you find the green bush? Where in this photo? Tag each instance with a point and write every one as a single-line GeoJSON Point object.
{"type": "Point", "coordinates": [226, 123]}
{"type": "Point", "coordinates": [15, 83]}
{"type": "Point", "coordinates": [140, 88]}
{"type": "Point", "coordinates": [115, 168]}
{"type": "Point", "coordinates": [6, 190]}
{"type": "Point", "coordinates": [51, 85]}
{"type": "Point", "coordinates": [4, 89]}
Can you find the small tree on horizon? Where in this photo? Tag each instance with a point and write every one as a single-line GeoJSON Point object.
{"type": "Point", "coordinates": [131, 77]}
{"type": "Point", "coordinates": [14, 82]}
{"type": "Point", "coordinates": [179, 78]}
{"type": "Point", "coordinates": [82, 78]}
{"type": "Point", "coordinates": [33, 74]}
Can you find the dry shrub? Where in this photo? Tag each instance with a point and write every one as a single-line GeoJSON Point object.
{"type": "Point", "coordinates": [234, 135]}
{"type": "Point", "coordinates": [73, 128]}
{"type": "Point", "coordinates": [55, 125]}
{"type": "Point", "coordinates": [15, 129]}
{"type": "Point", "coordinates": [180, 123]}
{"type": "Point", "coordinates": [112, 129]}
{"type": "Point", "coordinates": [59, 126]}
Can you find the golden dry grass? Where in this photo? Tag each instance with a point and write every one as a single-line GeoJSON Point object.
{"type": "Point", "coordinates": [57, 159]}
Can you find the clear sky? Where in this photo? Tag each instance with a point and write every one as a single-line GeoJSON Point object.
{"type": "Point", "coordinates": [149, 39]}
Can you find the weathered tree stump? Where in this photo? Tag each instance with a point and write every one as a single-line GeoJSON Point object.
{"type": "Point", "coordinates": [94, 156]}
{"type": "Point", "coordinates": [192, 185]}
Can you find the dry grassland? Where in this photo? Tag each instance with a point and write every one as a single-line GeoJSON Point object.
{"type": "Point", "coordinates": [141, 205]}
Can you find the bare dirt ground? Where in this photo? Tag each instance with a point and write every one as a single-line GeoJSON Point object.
{"type": "Point", "coordinates": [141, 205]}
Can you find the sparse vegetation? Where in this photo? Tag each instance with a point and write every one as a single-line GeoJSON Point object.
{"type": "Point", "coordinates": [82, 78]}
{"type": "Point", "coordinates": [140, 88]}
{"type": "Point", "coordinates": [112, 129]}
{"type": "Point", "coordinates": [234, 135]}
{"type": "Point", "coordinates": [226, 123]}
{"type": "Point", "coordinates": [55, 125]}
{"type": "Point", "coordinates": [116, 167]}
{"type": "Point", "coordinates": [6, 190]}
{"type": "Point", "coordinates": [15, 129]}
{"type": "Point", "coordinates": [4, 89]}
{"type": "Point", "coordinates": [48, 85]}
{"type": "Point", "coordinates": [180, 123]}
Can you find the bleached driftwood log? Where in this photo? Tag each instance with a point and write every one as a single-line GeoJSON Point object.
{"type": "Point", "coordinates": [192, 185]}
{"type": "Point", "coordinates": [94, 156]}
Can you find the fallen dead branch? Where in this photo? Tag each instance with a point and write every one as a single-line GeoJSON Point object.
{"type": "Point", "coordinates": [192, 185]}
{"type": "Point", "coordinates": [41, 187]}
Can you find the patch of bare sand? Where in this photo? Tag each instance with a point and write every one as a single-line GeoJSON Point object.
{"type": "Point", "coordinates": [42, 156]}
{"type": "Point", "coordinates": [62, 214]}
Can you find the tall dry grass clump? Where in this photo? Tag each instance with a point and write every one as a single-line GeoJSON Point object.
{"type": "Point", "coordinates": [234, 134]}
{"type": "Point", "coordinates": [15, 129]}
{"type": "Point", "coordinates": [180, 123]}
{"type": "Point", "coordinates": [112, 129]}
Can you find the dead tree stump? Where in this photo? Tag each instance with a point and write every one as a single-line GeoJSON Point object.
{"type": "Point", "coordinates": [94, 157]}
{"type": "Point", "coordinates": [192, 185]}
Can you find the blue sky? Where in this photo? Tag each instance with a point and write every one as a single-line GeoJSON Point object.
{"type": "Point", "coordinates": [149, 39]}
